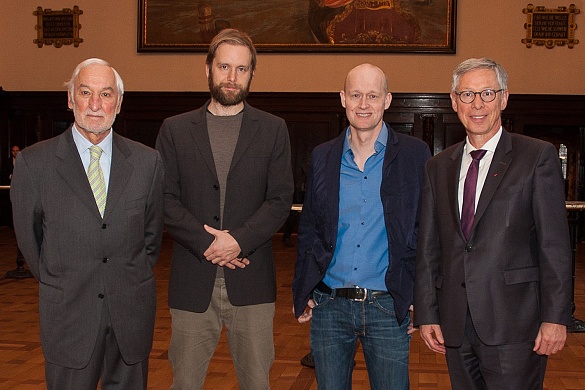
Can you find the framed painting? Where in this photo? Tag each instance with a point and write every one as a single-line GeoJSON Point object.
{"type": "Point", "coordinates": [394, 26]}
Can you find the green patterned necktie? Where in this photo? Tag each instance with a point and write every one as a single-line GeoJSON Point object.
{"type": "Point", "coordinates": [96, 178]}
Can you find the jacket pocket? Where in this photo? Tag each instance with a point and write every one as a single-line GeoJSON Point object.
{"type": "Point", "coordinates": [522, 275]}
{"type": "Point", "coordinates": [50, 293]}
{"type": "Point", "coordinates": [135, 206]}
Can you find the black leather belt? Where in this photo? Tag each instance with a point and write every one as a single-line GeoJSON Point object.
{"type": "Point", "coordinates": [352, 293]}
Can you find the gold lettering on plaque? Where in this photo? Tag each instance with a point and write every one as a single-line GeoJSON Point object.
{"type": "Point", "coordinates": [550, 27]}
{"type": "Point", "coordinates": [58, 27]}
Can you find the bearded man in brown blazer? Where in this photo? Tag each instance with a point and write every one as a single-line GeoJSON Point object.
{"type": "Point", "coordinates": [493, 273]}
{"type": "Point", "coordinates": [228, 189]}
{"type": "Point", "coordinates": [88, 216]}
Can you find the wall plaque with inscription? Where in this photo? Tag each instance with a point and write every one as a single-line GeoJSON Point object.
{"type": "Point", "coordinates": [58, 27]}
{"type": "Point", "coordinates": [549, 26]}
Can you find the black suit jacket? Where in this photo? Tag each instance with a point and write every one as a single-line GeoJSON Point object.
{"type": "Point", "coordinates": [258, 198]}
{"type": "Point", "coordinates": [400, 192]}
{"type": "Point", "coordinates": [515, 270]}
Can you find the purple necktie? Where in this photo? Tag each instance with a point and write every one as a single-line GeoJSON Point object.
{"type": "Point", "coordinates": [468, 208]}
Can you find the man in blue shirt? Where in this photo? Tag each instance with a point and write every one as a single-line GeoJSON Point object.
{"type": "Point", "coordinates": [357, 241]}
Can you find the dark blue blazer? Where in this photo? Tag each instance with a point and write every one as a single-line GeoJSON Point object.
{"type": "Point", "coordinates": [400, 192]}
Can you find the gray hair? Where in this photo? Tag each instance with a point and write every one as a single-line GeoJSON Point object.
{"type": "Point", "coordinates": [480, 63]}
{"type": "Point", "coordinates": [94, 61]}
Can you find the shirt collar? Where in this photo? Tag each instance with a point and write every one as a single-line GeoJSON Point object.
{"type": "Point", "coordinates": [490, 146]}
{"type": "Point", "coordinates": [379, 145]}
{"type": "Point", "coordinates": [83, 144]}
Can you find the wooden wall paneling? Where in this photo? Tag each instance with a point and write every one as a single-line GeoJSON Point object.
{"type": "Point", "coordinates": [312, 118]}
{"type": "Point", "coordinates": [448, 133]}
{"type": "Point", "coordinates": [429, 125]}
{"type": "Point", "coordinates": [571, 137]}
{"type": "Point", "coordinates": [4, 153]}
{"type": "Point", "coordinates": [137, 129]}
{"type": "Point", "coordinates": [556, 119]}
{"type": "Point", "coordinates": [4, 125]}
{"type": "Point", "coordinates": [547, 109]}
{"type": "Point", "coordinates": [142, 113]}
{"type": "Point", "coordinates": [401, 121]}
{"type": "Point", "coordinates": [36, 116]}
{"type": "Point", "coordinates": [425, 112]}
{"type": "Point", "coordinates": [23, 127]}
{"type": "Point", "coordinates": [306, 132]}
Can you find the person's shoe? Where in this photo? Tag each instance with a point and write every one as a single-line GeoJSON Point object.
{"type": "Point", "coordinates": [308, 361]}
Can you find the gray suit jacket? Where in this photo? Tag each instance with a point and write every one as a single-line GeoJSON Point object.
{"type": "Point", "coordinates": [80, 259]}
{"type": "Point", "coordinates": [515, 270]}
{"type": "Point", "coordinates": [257, 202]}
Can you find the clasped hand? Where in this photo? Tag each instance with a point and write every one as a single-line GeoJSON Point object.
{"type": "Point", "coordinates": [224, 250]}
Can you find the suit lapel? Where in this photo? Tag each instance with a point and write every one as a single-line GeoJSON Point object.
{"type": "Point", "coordinates": [332, 178]}
{"type": "Point", "coordinates": [120, 172]}
{"type": "Point", "coordinates": [498, 167]}
{"type": "Point", "coordinates": [248, 130]}
{"type": "Point", "coordinates": [392, 149]}
{"type": "Point", "coordinates": [70, 168]}
{"type": "Point", "coordinates": [453, 171]}
{"type": "Point", "coordinates": [201, 138]}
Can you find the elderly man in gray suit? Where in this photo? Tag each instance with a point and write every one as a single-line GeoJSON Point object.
{"type": "Point", "coordinates": [493, 273]}
{"type": "Point", "coordinates": [88, 216]}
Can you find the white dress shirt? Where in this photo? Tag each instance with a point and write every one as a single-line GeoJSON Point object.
{"type": "Point", "coordinates": [484, 166]}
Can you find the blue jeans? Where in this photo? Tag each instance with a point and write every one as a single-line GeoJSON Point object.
{"type": "Point", "coordinates": [338, 323]}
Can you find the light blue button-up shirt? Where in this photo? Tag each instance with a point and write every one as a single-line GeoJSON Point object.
{"type": "Point", "coordinates": [361, 253]}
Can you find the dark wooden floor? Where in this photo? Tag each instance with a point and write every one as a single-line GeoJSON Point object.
{"type": "Point", "coordinates": [21, 359]}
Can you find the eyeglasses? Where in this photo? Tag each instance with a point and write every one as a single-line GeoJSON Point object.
{"type": "Point", "coordinates": [487, 95]}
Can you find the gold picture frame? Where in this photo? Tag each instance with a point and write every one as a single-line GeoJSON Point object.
{"type": "Point", "coordinates": [414, 26]}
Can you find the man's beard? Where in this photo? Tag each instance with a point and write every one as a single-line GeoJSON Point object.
{"type": "Point", "coordinates": [83, 124]}
{"type": "Point", "coordinates": [99, 131]}
{"type": "Point", "coordinates": [227, 99]}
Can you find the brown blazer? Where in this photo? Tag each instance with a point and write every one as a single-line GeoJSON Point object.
{"type": "Point", "coordinates": [515, 270]}
{"type": "Point", "coordinates": [257, 202]}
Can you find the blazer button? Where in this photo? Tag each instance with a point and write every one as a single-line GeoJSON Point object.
{"type": "Point", "coordinates": [463, 284]}
{"type": "Point", "coordinates": [468, 249]}
{"type": "Point", "coordinates": [101, 296]}
{"type": "Point", "coordinates": [215, 187]}
{"type": "Point", "coordinates": [105, 260]}
{"type": "Point", "coordinates": [215, 218]}
{"type": "Point", "coordinates": [104, 226]}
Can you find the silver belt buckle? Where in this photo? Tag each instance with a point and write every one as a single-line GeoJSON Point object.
{"type": "Point", "coordinates": [363, 298]}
